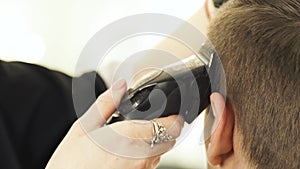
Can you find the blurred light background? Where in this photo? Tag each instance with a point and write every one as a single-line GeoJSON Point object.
{"type": "Point", "coordinates": [52, 33]}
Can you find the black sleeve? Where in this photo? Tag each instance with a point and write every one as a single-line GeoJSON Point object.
{"type": "Point", "coordinates": [36, 111]}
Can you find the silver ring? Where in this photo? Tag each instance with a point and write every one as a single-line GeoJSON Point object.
{"type": "Point", "coordinates": [160, 133]}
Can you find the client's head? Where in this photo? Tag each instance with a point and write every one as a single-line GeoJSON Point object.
{"type": "Point", "coordinates": [259, 45]}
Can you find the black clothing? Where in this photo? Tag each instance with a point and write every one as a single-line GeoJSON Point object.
{"type": "Point", "coordinates": [36, 111]}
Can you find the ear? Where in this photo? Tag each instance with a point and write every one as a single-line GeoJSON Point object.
{"type": "Point", "coordinates": [221, 141]}
{"type": "Point", "coordinates": [209, 9]}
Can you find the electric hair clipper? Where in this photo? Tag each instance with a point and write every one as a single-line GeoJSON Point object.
{"type": "Point", "coordinates": [181, 88]}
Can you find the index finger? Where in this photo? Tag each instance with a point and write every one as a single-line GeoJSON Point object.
{"type": "Point", "coordinates": [105, 105]}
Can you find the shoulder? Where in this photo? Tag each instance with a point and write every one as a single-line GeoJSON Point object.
{"type": "Point", "coordinates": [21, 74]}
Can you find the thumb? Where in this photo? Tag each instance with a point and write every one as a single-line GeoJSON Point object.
{"type": "Point", "coordinates": [97, 115]}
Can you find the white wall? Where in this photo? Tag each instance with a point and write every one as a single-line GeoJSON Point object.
{"type": "Point", "coordinates": [53, 32]}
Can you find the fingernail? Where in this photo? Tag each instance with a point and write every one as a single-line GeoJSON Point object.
{"type": "Point", "coordinates": [119, 84]}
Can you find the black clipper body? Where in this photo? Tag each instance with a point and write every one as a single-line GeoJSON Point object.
{"type": "Point", "coordinates": [161, 93]}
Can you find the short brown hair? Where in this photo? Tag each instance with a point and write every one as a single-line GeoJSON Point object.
{"type": "Point", "coordinates": [259, 45]}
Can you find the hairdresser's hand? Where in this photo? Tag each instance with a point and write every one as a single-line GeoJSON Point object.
{"type": "Point", "coordinates": [90, 145]}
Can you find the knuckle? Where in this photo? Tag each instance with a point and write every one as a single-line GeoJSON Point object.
{"type": "Point", "coordinates": [105, 97]}
{"type": "Point", "coordinates": [75, 125]}
{"type": "Point", "coordinates": [173, 118]}
{"type": "Point", "coordinates": [75, 129]}
{"type": "Point", "coordinates": [142, 164]}
{"type": "Point", "coordinates": [175, 129]}
{"type": "Point", "coordinates": [102, 99]}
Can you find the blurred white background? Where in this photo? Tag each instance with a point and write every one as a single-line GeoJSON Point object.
{"type": "Point", "coordinates": [53, 32]}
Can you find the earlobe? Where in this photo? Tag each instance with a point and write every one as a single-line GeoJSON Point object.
{"type": "Point", "coordinates": [221, 141]}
